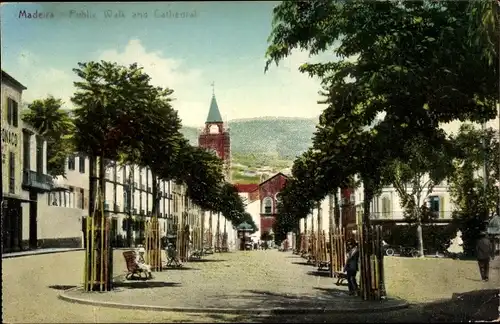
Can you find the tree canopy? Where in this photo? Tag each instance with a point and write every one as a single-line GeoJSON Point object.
{"type": "Point", "coordinates": [55, 124]}
{"type": "Point", "coordinates": [401, 69]}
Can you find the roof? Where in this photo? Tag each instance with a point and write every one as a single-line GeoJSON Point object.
{"type": "Point", "coordinates": [274, 176]}
{"type": "Point", "coordinates": [246, 187]}
{"type": "Point", "coordinates": [244, 226]}
{"type": "Point", "coordinates": [494, 226]}
{"type": "Point", "coordinates": [7, 77]}
{"type": "Point", "coordinates": [213, 113]}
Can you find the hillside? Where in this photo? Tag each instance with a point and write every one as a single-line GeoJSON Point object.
{"type": "Point", "coordinates": [263, 146]}
{"type": "Point", "coordinates": [284, 137]}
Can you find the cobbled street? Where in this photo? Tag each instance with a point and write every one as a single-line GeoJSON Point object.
{"type": "Point", "coordinates": [271, 277]}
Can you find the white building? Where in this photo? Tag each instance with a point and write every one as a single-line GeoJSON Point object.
{"type": "Point", "coordinates": [25, 181]}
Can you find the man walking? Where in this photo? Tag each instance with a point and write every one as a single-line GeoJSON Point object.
{"type": "Point", "coordinates": [484, 252]}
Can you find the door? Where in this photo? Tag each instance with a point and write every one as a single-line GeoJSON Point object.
{"type": "Point", "coordinates": [11, 225]}
{"type": "Point", "coordinates": [33, 225]}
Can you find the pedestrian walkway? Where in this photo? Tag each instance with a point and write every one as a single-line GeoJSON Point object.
{"type": "Point", "coordinates": [38, 251]}
{"type": "Point", "coordinates": [240, 282]}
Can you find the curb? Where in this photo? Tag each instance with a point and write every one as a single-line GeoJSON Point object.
{"type": "Point", "coordinates": [255, 311]}
{"type": "Point", "coordinates": [7, 256]}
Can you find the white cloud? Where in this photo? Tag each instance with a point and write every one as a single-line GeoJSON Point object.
{"type": "Point", "coordinates": [42, 81]}
{"type": "Point", "coordinates": [282, 91]}
{"type": "Point", "coordinates": [167, 72]}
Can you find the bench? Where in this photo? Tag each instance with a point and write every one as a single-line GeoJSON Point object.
{"type": "Point", "coordinates": [323, 265]}
{"type": "Point", "coordinates": [341, 277]}
{"type": "Point", "coordinates": [172, 259]}
{"type": "Point", "coordinates": [196, 255]}
{"type": "Point", "coordinates": [133, 269]}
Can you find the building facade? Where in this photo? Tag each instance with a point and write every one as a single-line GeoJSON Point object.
{"type": "Point", "coordinates": [24, 173]}
{"type": "Point", "coordinates": [268, 194]}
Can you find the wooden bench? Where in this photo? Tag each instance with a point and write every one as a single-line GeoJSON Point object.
{"type": "Point", "coordinates": [196, 255]}
{"type": "Point", "coordinates": [133, 269]}
{"type": "Point", "coordinates": [323, 265]}
{"type": "Point", "coordinates": [172, 259]}
{"type": "Point", "coordinates": [341, 277]}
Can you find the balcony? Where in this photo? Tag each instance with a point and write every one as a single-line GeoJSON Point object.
{"type": "Point", "coordinates": [37, 181]}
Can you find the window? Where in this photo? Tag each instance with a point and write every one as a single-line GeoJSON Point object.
{"type": "Point", "coordinates": [81, 163]}
{"type": "Point", "coordinates": [39, 154]}
{"type": "Point", "coordinates": [53, 201]}
{"type": "Point", "coordinates": [124, 169]}
{"type": "Point", "coordinates": [434, 204]}
{"type": "Point", "coordinates": [71, 197]}
{"type": "Point", "coordinates": [386, 207]}
{"type": "Point", "coordinates": [12, 172]}
{"type": "Point", "coordinates": [26, 151]}
{"type": "Point", "coordinates": [71, 163]}
{"type": "Point", "coordinates": [268, 205]}
{"type": "Point", "coordinates": [81, 200]}
{"type": "Point", "coordinates": [12, 112]}
{"type": "Point", "coordinates": [141, 186]}
{"type": "Point", "coordinates": [126, 200]}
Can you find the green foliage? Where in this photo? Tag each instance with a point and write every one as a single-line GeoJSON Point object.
{"type": "Point", "coordinates": [202, 173]}
{"type": "Point", "coordinates": [55, 124]}
{"type": "Point", "coordinates": [475, 201]}
{"type": "Point", "coordinates": [421, 167]}
{"type": "Point", "coordinates": [112, 102]}
{"type": "Point", "coordinates": [121, 116]}
{"type": "Point", "coordinates": [230, 204]}
{"type": "Point", "coordinates": [437, 237]}
{"type": "Point", "coordinates": [413, 62]}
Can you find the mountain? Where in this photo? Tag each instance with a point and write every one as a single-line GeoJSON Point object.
{"type": "Point", "coordinates": [282, 137]}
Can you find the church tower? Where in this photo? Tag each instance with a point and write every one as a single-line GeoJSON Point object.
{"type": "Point", "coordinates": [215, 137]}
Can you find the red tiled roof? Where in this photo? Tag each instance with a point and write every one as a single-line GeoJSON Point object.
{"type": "Point", "coordinates": [246, 187]}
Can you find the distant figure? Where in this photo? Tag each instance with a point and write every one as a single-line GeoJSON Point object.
{"type": "Point", "coordinates": [484, 252]}
{"type": "Point", "coordinates": [351, 267]}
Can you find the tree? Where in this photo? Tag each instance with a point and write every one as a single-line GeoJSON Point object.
{"type": "Point", "coordinates": [475, 196]}
{"type": "Point", "coordinates": [231, 205]}
{"type": "Point", "coordinates": [110, 112]}
{"type": "Point", "coordinates": [421, 169]}
{"type": "Point", "coordinates": [202, 172]}
{"type": "Point", "coordinates": [55, 124]}
{"type": "Point", "coordinates": [436, 77]}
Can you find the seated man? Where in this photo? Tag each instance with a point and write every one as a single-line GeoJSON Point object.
{"type": "Point", "coordinates": [143, 266]}
{"type": "Point", "coordinates": [172, 256]}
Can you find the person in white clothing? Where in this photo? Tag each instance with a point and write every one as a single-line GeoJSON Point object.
{"type": "Point", "coordinates": [140, 263]}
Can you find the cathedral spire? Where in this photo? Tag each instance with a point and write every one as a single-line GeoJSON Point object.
{"type": "Point", "coordinates": [214, 115]}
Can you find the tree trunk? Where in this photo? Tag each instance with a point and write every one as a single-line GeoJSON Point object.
{"type": "Point", "coordinates": [337, 208]}
{"type": "Point", "coordinates": [368, 197]}
{"type": "Point", "coordinates": [130, 206]}
{"type": "Point", "coordinates": [92, 184]}
{"type": "Point", "coordinates": [331, 215]}
{"type": "Point", "coordinates": [156, 199]}
{"type": "Point", "coordinates": [320, 217]}
{"type": "Point", "coordinates": [102, 181]}
{"type": "Point", "coordinates": [420, 238]}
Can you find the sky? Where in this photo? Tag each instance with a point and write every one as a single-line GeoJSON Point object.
{"type": "Point", "coordinates": [220, 42]}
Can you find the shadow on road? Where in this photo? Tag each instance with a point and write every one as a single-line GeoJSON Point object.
{"type": "Point", "coordinates": [318, 273]}
{"type": "Point", "coordinates": [302, 263]}
{"type": "Point", "coordinates": [179, 268]}
{"type": "Point", "coordinates": [207, 260]}
{"type": "Point", "coordinates": [145, 284]}
{"type": "Point", "coordinates": [62, 287]}
{"type": "Point", "coordinates": [464, 307]}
